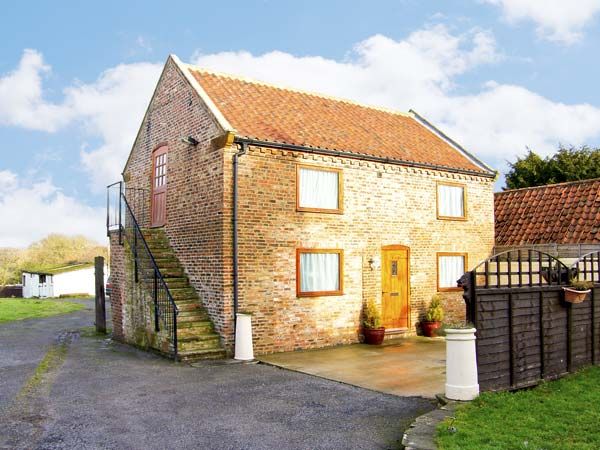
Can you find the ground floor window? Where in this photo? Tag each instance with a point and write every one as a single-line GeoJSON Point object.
{"type": "Point", "coordinates": [451, 266]}
{"type": "Point", "coordinates": [319, 272]}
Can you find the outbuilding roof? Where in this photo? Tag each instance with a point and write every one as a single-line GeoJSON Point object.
{"type": "Point", "coordinates": [60, 269]}
{"type": "Point", "coordinates": [565, 213]}
{"type": "Point", "coordinates": [261, 111]}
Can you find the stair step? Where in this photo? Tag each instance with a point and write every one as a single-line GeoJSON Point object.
{"type": "Point", "coordinates": [178, 283]}
{"type": "Point", "coordinates": [167, 264]}
{"type": "Point", "coordinates": [188, 301]}
{"type": "Point", "coordinates": [186, 322]}
{"type": "Point", "coordinates": [191, 316]}
{"type": "Point", "coordinates": [161, 252]}
{"type": "Point", "coordinates": [172, 273]}
{"type": "Point", "coordinates": [198, 355]}
{"type": "Point", "coordinates": [194, 346]}
{"type": "Point", "coordinates": [161, 240]}
{"type": "Point", "coordinates": [187, 306]}
{"type": "Point", "coordinates": [194, 329]}
{"type": "Point", "coordinates": [165, 259]}
{"type": "Point", "coordinates": [181, 293]}
{"type": "Point", "coordinates": [204, 336]}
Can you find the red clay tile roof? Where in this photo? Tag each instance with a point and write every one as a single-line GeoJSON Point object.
{"type": "Point", "coordinates": [264, 112]}
{"type": "Point", "coordinates": [566, 213]}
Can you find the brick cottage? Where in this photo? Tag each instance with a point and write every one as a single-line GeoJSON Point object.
{"type": "Point", "coordinates": [297, 208]}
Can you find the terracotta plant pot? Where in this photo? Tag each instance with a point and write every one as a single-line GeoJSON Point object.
{"type": "Point", "coordinates": [573, 296]}
{"type": "Point", "coordinates": [430, 328]}
{"type": "Point", "coordinates": [374, 336]}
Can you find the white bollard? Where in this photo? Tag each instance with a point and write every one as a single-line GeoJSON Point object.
{"type": "Point", "coordinates": [461, 364]}
{"type": "Point", "coordinates": [243, 338]}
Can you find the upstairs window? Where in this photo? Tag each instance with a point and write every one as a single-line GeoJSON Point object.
{"type": "Point", "coordinates": [319, 190]}
{"type": "Point", "coordinates": [451, 201]}
{"type": "Point", "coordinates": [451, 266]}
{"type": "Point", "coordinates": [319, 272]}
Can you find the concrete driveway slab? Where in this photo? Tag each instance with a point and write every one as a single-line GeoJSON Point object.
{"type": "Point", "coordinates": [413, 366]}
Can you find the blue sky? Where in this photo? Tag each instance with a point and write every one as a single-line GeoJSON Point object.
{"type": "Point", "coordinates": [75, 78]}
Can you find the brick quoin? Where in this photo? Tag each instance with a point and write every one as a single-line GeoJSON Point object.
{"type": "Point", "coordinates": [384, 204]}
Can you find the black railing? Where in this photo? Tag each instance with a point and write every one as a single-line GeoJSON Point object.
{"type": "Point", "coordinates": [121, 218]}
{"type": "Point", "coordinates": [138, 202]}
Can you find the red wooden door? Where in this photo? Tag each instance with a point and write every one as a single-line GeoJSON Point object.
{"type": "Point", "coordinates": [159, 186]}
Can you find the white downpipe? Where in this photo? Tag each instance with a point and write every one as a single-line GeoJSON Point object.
{"type": "Point", "coordinates": [243, 338]}
{"type": "Point", "coordinates": [461, 364]}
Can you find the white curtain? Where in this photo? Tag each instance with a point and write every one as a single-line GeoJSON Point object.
{"type": "Point", "coordinates": [451, 201]}
{"type": "Point", "coordinates": [318, 189]}
{"type": "Point", "coordinates": [451, 269]}
{"type": "Point", "coordinates": [319, 272]}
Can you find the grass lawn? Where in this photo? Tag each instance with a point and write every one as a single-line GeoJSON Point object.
{"type": "Point", "coordinates": [26, 308]}
{"type": "Point", "coordinates": [562, 414]}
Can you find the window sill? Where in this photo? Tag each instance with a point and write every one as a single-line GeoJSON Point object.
{"type": "Point", "coordinates": [320, 210]}
{"type": "Point", "coordinates": [450, 218]}
{"type": "Point", "coordinates": [319, 294]}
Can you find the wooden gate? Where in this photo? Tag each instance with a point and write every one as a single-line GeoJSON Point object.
{"type": "Point", "coordinates": [526, 332]}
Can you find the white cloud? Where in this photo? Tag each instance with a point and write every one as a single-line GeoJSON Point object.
{"type": "Point", "coordinates": [557, 20]}
{"type": "Point", "coordinates": [379, 70]}
{"type": "Point", "coordinates": [21, 97]}
{"type": "Point", "coordinates": [421, 72]}
{"type": "Point", "coordinates": [112, 109]}
{"type": "Point", "coordinates": [31, 211]}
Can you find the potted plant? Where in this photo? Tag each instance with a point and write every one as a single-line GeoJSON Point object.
{"type": "Point", "coordinates": [373, 331]}
{"type": "Point", "coordinates": [577, 291]}
{"type": "Point", "coordinates": [433, 316]}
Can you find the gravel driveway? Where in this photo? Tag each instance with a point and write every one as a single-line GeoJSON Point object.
{"type": "Point", "coordinates": [103, 395]}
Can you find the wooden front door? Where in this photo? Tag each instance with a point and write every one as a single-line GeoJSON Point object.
{"type": "Point", "coordinates": [395, 286]}
{"type": "Point", "coordinates": [159, 186]}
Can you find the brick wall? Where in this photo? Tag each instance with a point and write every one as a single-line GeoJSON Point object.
{"type": "Point", "coordinates": [383, 205]}
{"type": "Point", "coordinates": [118, 281]}
{"type": "Point", "coordinates": [195, 185]}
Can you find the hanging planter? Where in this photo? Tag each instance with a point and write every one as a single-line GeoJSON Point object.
{"type": "Point", "coordinates": [575, 296]}
{"type": "Point", "coordinates": [577, 292]}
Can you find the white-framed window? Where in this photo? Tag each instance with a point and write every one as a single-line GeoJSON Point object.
{"type": "Point", "coordinates": [319, 189]}
{"type": "Point", "coordinates": [319, 272]}
{"type": "Point", "coordinates": [451, 201]}
{"type": "Point", "coordinates": [451, 266]}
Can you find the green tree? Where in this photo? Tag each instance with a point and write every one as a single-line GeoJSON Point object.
{"type": "Point", "coordinates": [57, 250]}
{"type": "Point", "coordinates": [10, 261]}
{"type": "Point", "coordinates": [568, 164]}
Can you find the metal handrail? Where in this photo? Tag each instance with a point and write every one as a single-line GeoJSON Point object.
{"type": "Point", "coordinates": [159, 281]}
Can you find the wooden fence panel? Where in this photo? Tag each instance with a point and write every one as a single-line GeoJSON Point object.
{"type": "Point", "coordinates": [526, 332]}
